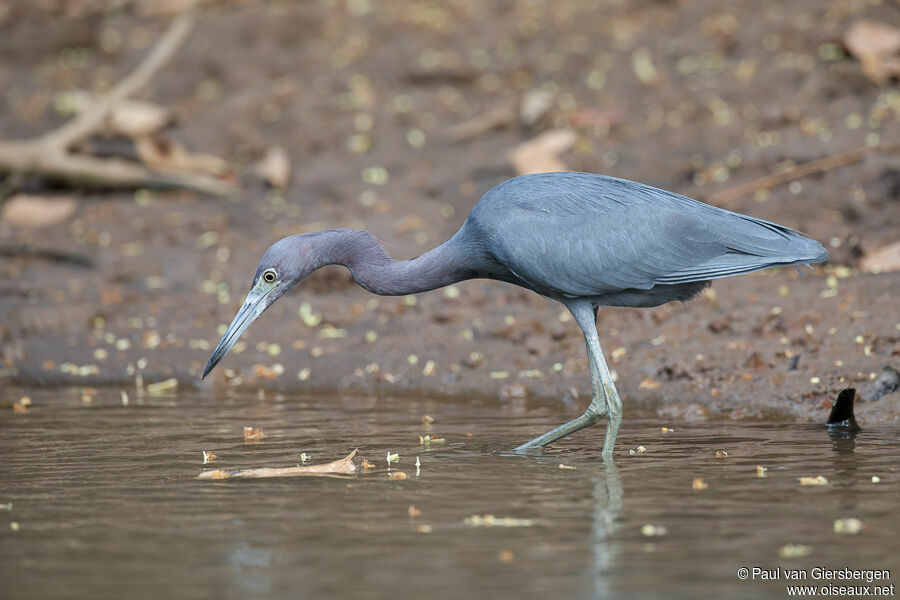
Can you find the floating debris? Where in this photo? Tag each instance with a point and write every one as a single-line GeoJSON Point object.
{"type": "Point", "coordinates": [850, 526]}
{"type": "Point", "coordinates": [253, 435]}
{"type": "Point", "coordinates": [208, 457]}
{"type": "Point", "coordinates": [427, 440]}
{"type": "Point", "coordinates": [413, 512]}
{"type": "Point", "coordinates": [761, 471]}
{"type": "Point", "coordinates": [794, 551]}
{"type": "Point", "coordinates": [817, 480]}
{"type": "Point", "coordinates": [650, 530]}
{"type": "Point", "coordinates": [344, 466]}
{"type": "Point", "coordinates": [304, 457]}
{"type": "Point", "coordinates": [699, 484]}
{"type": "Point", "coordinates": [427, 420]}
{"type": "Point", "coordinates": [638, 450]}
{"type": "Point", "coordinates": [392, 458]}
{"type": "Point", "coordinates": [162, 387]}
{"type": "Point", "coordinates": [876, 479]}
{"type": "Point", "coordinates": [566, 467]}
{"type": "Point", "coordinates": [666, 429]}
{"type": "Point", "coordinates": [424, 528]}
{"type": "Point", "coordinates": [397, 475]}
{"type": "Point", "coordinates": [721, 454]}
{"type": "Point", "coordinates": [492, 521]}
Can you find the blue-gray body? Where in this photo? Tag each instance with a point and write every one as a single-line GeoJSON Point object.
{"type": "Point", "coordinates": [617, 242]}
{"type": "Point", "coordinates": [584, 240]}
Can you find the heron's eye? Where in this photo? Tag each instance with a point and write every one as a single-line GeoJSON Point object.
{"type": "Point", "coordinates": [270, 276]}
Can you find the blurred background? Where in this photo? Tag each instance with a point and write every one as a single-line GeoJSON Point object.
{"type": "Point", "coordinates": [129, 239]}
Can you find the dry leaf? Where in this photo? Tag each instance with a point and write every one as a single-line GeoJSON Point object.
{"type": "Point", "coordinates": [882, 260]}
{"type": "Point", "coordinates": [343, 466]}
{"type": "Point", "coordinates": [535, 105]}
{"type": "Point", "coordinates": [492, 521]}
{"type": "Point", "coordinates": [817, 480]}
{"type": "Point", "coordinates": [721, 454]}
{"type": "Point", "coordinates": [397, 475]}
{"type": "Point", "coordinates": [32, 212]}
{"type": "Point", "coordinates": [208, 457]}
{"type": "Point", "coordinates": [162, 387]}
{"type": "Point", "coordinates": [541, 154]}
{"type": "Point", "coordinates": [275, 168]}
{"type": "Point", "coordinates": [850, 526]}
{"type": "Point", "coordinates": [130, 118]}
{"type": "Point", "coordinates": [162, 153]}
{"type": "Point", "coordinates": [876, 45]}
{"type": "Point", "coordinates": [699, 484]}
{"type": "Point", "coordinates": [253, 435]}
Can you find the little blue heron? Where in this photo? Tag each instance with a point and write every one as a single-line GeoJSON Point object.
{"type": "Point", "coordinates": [581, 239]}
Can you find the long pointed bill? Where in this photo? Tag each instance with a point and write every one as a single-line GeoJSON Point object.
{"type": "Point", "coordinates": [254, 306]}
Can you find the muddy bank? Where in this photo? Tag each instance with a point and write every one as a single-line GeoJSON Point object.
{"type": "Point", "coordinates": [691, 97]}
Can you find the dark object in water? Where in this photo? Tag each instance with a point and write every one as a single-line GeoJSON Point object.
{"type": "Point", "coordinates": [841, 416]}
{"type": "Point", "coordinates": [887, 383]}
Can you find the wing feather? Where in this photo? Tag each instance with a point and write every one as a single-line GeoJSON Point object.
{"type": "Point", "coordinates": [583, 235]}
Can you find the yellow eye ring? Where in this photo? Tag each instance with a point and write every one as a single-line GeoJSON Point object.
{"type": "Point", "coordinates": [270, 276]}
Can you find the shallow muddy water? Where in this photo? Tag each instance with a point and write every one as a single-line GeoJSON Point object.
{"type": "Point", "coordinates": [105, 503]}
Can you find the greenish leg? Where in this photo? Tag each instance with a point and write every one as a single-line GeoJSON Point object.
{"type": "Point", "coordinates": [605, 400]}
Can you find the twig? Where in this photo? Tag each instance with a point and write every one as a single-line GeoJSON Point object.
{"type": "Point", "coordinates": [91, 119]}
{"type": "Point", "coordinates": [51, 254]}
{"type": "Point", "coordinates": [820, 165]}
{"type": "Point", "coordinates": [48, 155]}
{"type": "Point", "coordinates": [343, 466]}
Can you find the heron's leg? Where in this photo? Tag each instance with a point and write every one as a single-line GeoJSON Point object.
{"type": "Point", "coordinates": [605, 399]}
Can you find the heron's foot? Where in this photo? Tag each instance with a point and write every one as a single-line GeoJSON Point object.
{"type": "Point", "coordinates": [589, 418]}
{"type": "Point", "coordinates": [612, 432]}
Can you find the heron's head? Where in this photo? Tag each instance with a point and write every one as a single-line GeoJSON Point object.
{"type": "Point", "coordinates": [287, 262]}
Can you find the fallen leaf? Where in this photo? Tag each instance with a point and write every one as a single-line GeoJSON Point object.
{"type": "Point", "coordinates": [541, 154]}
{"type": "Point", "coordinates": [275, 168]}
{"type": "Point", "coordinates": [794, 551]}
{"type": "Point", "coordinates": [253, 435]}
{"type": "Point", "coordinates": [162, 153]}
{"type": "Point", "coordinates": [817, 480]}
{"type": "Point", "coordinates": [33, 212]}
{"type": "Point", "coordinates": [130, 118]}
{"type": "Point", "coordinates": [397, 475]}
{"type": "Point", "coordinates": [208, 457]}
{"type": "Point", "coordinates": [492, 521]}
{"type": "Point", "coordinates": [882, 260]}
{"type": "Point", "coordinates": [344, 466]}
{"type": "Point", "coordinates": [535, 105]}
{"type": "Point", "coordinates": [162, 387]}
{"type": "Point", "coordinates": [876, 46]}
{"type": "Point", "coordinates": [650, 530]}
{"type": "Point", "coordinates": [849, 526]}
{"type": "Point", "coordinates": [699, 484]}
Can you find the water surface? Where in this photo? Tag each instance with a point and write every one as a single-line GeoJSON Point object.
{"type": "Point", "coordinates": [106, 502]}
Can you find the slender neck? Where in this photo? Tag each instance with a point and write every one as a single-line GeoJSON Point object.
{"type": "Point", "coordinates": [376, 271]}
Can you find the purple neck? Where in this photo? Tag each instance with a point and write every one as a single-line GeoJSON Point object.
{"type": "Point", "coordinates": [376, 271]}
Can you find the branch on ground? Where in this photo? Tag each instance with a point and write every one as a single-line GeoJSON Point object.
{"type": "Point", "coordinates": [50, 155]}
